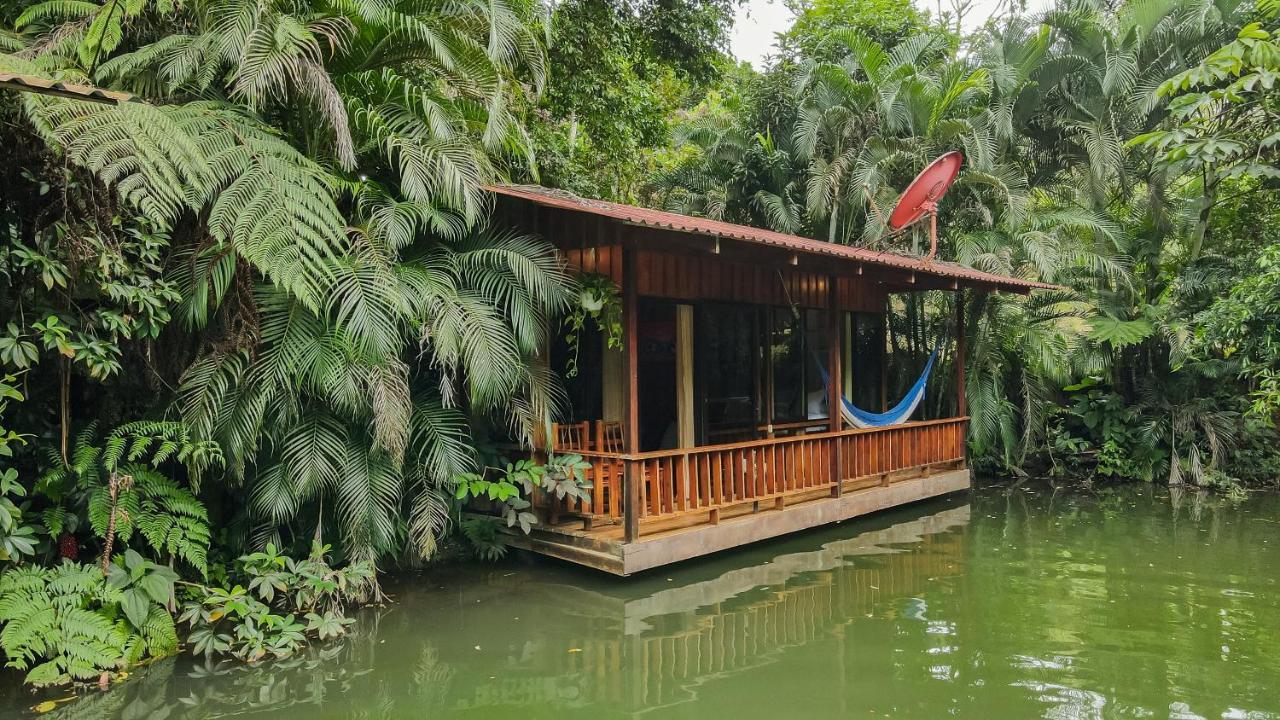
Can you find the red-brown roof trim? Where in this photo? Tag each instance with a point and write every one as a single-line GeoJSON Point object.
{"type": "Point", "coordinates": [58, 88]}
{"type": "Point", "coordinates": [702, 226]}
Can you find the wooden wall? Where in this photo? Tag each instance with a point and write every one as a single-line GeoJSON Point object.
{"type": "Point", "coordinates": [593, 244]}
{"type": "Point", "coordinates": [711, 278]}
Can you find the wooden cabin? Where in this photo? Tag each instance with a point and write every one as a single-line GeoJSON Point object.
{"type": "Point", "coordinates": [709, 428]}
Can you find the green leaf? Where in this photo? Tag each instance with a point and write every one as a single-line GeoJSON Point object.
{"type": "Point", "coordinates": [157, 585]}
{"type": "Point", "coordinates": [1120, 333]}
{"type": "Point", "coordinates": [136, 604]}
{"type": "Point", "coordinates": [46, 673]}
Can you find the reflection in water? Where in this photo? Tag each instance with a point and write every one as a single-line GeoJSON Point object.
{"type": "Point", "coordinates": [1018, 603]}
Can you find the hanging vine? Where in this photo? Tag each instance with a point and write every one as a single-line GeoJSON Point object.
{"type": "Point", "coordinates": [600, 301]}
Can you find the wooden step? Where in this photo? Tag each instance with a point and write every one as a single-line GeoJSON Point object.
{"type": "Point", "coordinates": [577, 538]}
{"type": "Point", "coordinates": [608, 562]}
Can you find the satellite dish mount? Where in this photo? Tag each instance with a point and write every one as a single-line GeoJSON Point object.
{"type": "Point", "coordinates": [921, 197]}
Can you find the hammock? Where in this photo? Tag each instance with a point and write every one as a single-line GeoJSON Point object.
{"type": "Point", "coordinates": [895, 415]}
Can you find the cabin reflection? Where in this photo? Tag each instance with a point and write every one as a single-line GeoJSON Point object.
{"type": "Point", "coordinates": [642, 653]}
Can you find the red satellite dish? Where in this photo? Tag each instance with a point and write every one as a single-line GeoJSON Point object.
{"type": "Point", "coordinates": [922, 195]}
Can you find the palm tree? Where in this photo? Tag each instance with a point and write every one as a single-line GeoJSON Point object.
{"type": "Point", "coordinates": [733, 174]}
{"type": "Point", "coordinates": [1100, 84]}
{"type": "Point", "coordinates": [321, 164]}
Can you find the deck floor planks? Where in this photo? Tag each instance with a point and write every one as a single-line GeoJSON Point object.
{"type": "Point", "coordinates": [683, 536]}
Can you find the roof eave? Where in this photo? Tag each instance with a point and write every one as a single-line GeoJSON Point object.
{"type": "Point", "coordinates": [635, 216]}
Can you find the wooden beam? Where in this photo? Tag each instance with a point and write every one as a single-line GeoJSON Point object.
{"type": "Point", "coordinates": [849, 324]}
{"type": "Point", "coordinates": [882, 347]}
{"type": "Point", "coordinates": [684, 376]}
{"type": "Point", "coordinates": [631, 369]}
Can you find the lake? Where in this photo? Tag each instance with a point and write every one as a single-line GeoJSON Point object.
{"type": "Point", "coordinates": [1006, 602]}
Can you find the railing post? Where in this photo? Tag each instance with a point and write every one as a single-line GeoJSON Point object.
{"type": "Point", "coordinates": [631, 480]}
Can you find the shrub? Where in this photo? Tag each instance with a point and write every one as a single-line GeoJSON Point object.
{"type": "Point", "coordinates": [70, 622]}
{"type": "Point", "coordinates": [281, 602]}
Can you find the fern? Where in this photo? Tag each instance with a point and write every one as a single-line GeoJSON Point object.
{"type": "Point", "coordinates": [55, 10]}
{"type": "Point", "coordinates": [485, 538]}
{"type": "Point", "coordinates": [57, 624]}
{"type": "Point", "coordinates": [156, 442]}
{"type": "Point", "coordinates": [168, 517]}
{"type": "Point", "coordinates": [262, 196]}
{"type": "Point", "coordinates": [159, 634]}
{"type": "Point", "coordinates": [128, 495]}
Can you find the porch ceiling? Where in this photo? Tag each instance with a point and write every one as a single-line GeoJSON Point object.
{"type": "Point", "coordinates": [950, 275]}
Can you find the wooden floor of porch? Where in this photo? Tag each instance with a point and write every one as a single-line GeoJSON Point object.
{"type": "Point", "coordinates": [700, 501]}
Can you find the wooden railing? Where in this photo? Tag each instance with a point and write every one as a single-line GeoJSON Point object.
{"type": "Point", "coordinates": [712, 478]}
{"type": "Point", "coordinates": [746, 433]}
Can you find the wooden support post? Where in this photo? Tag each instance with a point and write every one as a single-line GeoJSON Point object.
{"type": "Point", "coordinates": [684, 376]}
{"type": "Point", "coordinates": [631, 369]}
{"type": "Point", "coordinates": [835, 384]}
{"type": "Point", "coordinates": [849, 323]}
{"type": "Point", "coordinates": [766, 342]}
{"type": "Point", "coordinates": [613, 383]}
{"type": "Point", "coordinates": [962, 404]}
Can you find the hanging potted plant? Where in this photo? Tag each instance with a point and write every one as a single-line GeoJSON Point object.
{"type": "Point", "coordinates": [600, 302]}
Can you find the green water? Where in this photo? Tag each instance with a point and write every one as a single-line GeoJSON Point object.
{"type": "Point", "coordinates": [1002, 603]}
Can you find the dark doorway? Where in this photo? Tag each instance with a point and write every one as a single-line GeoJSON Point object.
{"type": "Point", "coordinates": [656, 353]}
{"type": "Point", "coordinates": [868, 361]}
{"type": "Point", "coordinates": [728, 359]}
{"type": "Point", "coordinates": [585, 389]}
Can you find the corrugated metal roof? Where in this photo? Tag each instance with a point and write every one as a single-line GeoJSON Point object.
{"type": "Point", "coordinates": [45, 86]}
{"type": "Point", "coordinates": [744, 233]}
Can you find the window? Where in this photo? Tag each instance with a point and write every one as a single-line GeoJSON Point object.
{"type": "Point", "coordinates": [797, 344]}
{"type": "Point", "coordinates": [786, 352]}
{"type": "Point", "coordinates": [817, 350]}
{"type": "Point", "coordinates": [728, 367]}
{"type": "Point", "coordinates": [867, 362]}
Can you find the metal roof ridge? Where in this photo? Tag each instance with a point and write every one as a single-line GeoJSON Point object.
{"type": "Point", "coordinates": [665, 219]}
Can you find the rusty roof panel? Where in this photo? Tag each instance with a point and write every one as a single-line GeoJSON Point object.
{"type": "Point", "coordinates": [744, 233]}
{"type": "Point", "coordinates": [45, 86]}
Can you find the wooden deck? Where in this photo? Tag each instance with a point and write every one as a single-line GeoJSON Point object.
{"type": "Point", "coordinates": [697, 501]}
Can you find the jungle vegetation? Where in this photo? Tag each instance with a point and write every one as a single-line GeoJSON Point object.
{"type": "Point", "coordinates": [257, 337]}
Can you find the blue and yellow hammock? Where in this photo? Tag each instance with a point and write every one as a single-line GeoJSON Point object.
{"type": "Point", "coordinates": [896, 415]}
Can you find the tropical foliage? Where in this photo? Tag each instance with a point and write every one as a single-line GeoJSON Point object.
{"type": "Point", "coordinates": [73, 622]}
{"type": "Point", "coordinates": [272, 274]}
{"type": "Point", "coordinates": [282, 603]}
{"type": "Point", "coordinates": [261, 311]}
{"type": "Point", "coordinates": [289, 236]}
{"type": "Point", "coordinates": [1119, 153]}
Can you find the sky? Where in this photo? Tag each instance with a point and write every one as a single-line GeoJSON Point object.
{"type": "Point", "coordinates": [758, 20]}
